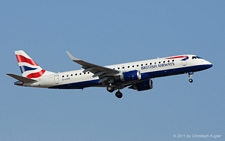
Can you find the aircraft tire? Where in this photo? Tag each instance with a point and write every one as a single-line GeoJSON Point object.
{"type": "Point", "coordinates": [110, 89]}
{"type": "Point", "coordinates": [119, 94]}
{"type": "Point", "coordinates": [190, 80]}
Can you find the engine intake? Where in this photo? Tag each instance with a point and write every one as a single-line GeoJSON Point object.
{"type": "Point", "coordinates": [141, 86]}
{"type": "Point", "coordinates": [131, 75]}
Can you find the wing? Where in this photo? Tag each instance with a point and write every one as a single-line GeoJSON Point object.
{"type": "Point", "coordinates": [100, 71]}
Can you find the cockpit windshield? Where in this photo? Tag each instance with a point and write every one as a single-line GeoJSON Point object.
{"type": "Point", "coordinates": [196, 57]}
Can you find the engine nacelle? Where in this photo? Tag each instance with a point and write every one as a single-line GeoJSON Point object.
{"type": "Point", "coordinates": [141, 86]}
{"type": "Point", "coordinates": [131, 75]}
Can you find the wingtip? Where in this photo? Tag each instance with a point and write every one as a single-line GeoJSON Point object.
{"type": "Point", "coordinates": [71, 56]}
{"type": "Point", "coordinates": [9, 74]}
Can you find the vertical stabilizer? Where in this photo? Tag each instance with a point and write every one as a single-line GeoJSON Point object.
{"type": "Point", "coordinates": [29, 68]}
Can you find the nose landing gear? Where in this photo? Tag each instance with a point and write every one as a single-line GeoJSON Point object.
{"type": "Point", "coordinates": [190, 76]}
{"type": "Point", "coordinates": [190, 80]}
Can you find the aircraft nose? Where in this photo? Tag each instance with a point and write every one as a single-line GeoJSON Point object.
{"type": "Point", "coordinates": [208, 64]}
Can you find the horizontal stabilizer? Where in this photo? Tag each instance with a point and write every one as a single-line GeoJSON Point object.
{"type": "Point", "coordinates": [22, 79]}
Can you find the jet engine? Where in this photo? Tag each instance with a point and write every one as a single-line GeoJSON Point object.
{"type": "Point", "coordinates": [131, 75]}
{"type": "Point", "coordinates": [141, 86]}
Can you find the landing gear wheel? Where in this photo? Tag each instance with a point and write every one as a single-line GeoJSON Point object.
{"type": "Point", "coordinates": [190, 80]}
{"type": "Point", "coordinates": [190, 76]}
{"type": "Point", "coordinates": [110, 89]}
{"type": "Point", "coordinates": [119, 94]}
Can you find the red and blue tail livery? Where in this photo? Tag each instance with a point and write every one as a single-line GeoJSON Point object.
{"type": "Point", "coordinates": [29, 68]}
{"type": "Point", "coordinates": [133, 75]}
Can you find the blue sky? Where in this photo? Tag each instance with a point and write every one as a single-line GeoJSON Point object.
{"type": "Point", "coordinates": [110, 32]}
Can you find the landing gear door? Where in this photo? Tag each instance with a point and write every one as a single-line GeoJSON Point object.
{"type": "Point", "coordinates": [56, 79]}
{"type": "Point", "coordinates": [184, 62]}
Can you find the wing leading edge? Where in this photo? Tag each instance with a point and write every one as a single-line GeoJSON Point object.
{"type": "Point", "coordinates": [97, 70]}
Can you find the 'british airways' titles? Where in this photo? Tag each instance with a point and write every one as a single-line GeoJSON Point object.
{"type": "Point", "coordinates": [158, 66]}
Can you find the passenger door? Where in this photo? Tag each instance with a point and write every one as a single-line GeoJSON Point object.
{"type": "Point", "coordinates": [56, 79]}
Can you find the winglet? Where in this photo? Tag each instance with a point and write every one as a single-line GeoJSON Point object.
{"type": "Point", "coordinates": [71, 56]}
{"type": "Point", "coordinates": [92, 67]}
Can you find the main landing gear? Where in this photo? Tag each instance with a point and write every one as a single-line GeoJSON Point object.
{"type": "Point", "coordinates": [190, 76]}
{"type": "Point", "coordinates": [110, 89]}
{"type": "Point", "coordinates": [119, 94]}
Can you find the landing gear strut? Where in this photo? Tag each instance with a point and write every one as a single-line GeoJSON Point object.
{"type": "Point", "coordinates": [119, 94]}
{"type": "Point", "coordinates": [111, 88]}
{"type": "Point", "coordinates": [190, 76]}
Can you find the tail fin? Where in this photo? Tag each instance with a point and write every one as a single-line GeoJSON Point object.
{"type": "Point", "coordinates": [29, 68]}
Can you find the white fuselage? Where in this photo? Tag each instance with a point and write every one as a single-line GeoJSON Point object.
{"type": "Point", "coordinates": [153, 68]}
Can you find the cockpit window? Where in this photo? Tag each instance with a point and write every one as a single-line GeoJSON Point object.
{"type": "Point", "coordinates": [196, 57]}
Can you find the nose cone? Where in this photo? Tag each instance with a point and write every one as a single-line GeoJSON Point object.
{"type": "Point", "coordinates": [208, 64]}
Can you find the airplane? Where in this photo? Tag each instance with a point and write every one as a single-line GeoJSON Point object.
{"type": "Point", "coordinates": [134, 75]}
